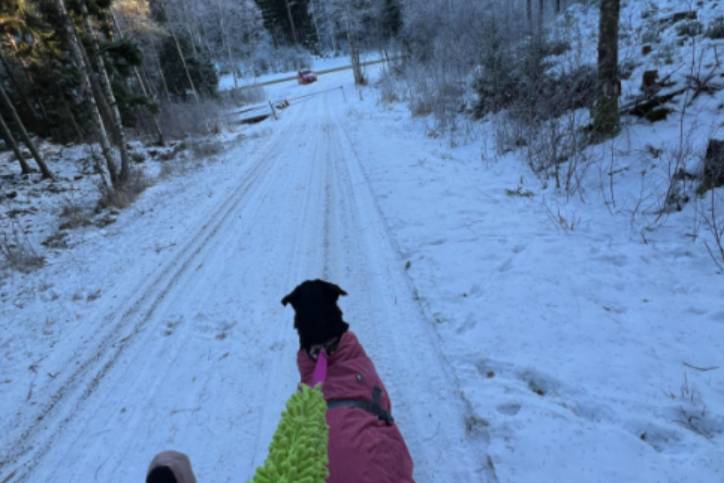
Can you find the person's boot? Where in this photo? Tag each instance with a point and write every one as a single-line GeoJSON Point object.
{"type": "Point", "coordinates": [170, 467]}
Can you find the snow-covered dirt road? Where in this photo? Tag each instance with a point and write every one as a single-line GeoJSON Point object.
{"type": "Point", "coordinates": [524, 336]}
{"type": "Point", "coordinates": [196, 353]}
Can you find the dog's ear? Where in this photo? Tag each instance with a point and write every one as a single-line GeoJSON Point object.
{"type": "Point", "coordinates": [334, 291]}
{"type": "Point", "coordinates": [289, 298]}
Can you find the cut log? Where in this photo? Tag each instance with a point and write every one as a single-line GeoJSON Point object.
{"type": "Point", "coordinates": [652, 107]}
{"type": "Point", "coordinates": [678, 17]}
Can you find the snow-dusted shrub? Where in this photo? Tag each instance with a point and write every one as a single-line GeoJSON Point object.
{"type": "Point", "coordinates": [556, 149]}
{"type": "Point", "coordinates": [123, 196]}
{"type": "Point", "coordinates": [691, 412]}
{"type": "Point", "coordinates": [521, 80]}
{"type": "Point", "coordinates": [664, 55]}
{"type": "Point", "coordinates": [651, 30]}
{"type": "Point", "coordinates": [268, 58]}
{"type": "Point", "coordinates": [389, 89]}
{"type": "Point", "coordinates": [714, 222]}
{"type": "Point", "coordinates": [249, 95]}
{"type": "Point", "coordinates": [442, 41]}
{"type": "Point", "coordinates": [691, 28]}
{"type": "Point", "coordinates": [716, 28]}
{"type": "Point", "coordinates": [495, 81]}
{"type": "Point", "coordinates": [651, 33]}
{"type": "Point", "coordinates": [651, 11]}
{"type": "Point", "coordinates": [18, 253]}
{"type": "Point", "coordinates": [509, 133]}
{"type": "Point", "coordinates": [202, 149]}
{"type": "Point", "coordinates": [74, 215]}
{"type": "Point", "coordinates": [181, 119]}
{"type": "Point", "coordinates": [431, 93]}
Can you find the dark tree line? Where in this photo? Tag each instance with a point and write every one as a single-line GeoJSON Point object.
{"type": "Point", "coordinates": [69, 72]}
{"type": "Point", "coordinates": [289, 21]}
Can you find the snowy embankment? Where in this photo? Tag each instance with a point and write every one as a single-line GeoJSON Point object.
{"type": "Point", "coordinates": [588, 333]}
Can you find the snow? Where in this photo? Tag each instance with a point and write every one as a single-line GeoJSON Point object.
{"type": "Point", "coordinates": [522, 339]}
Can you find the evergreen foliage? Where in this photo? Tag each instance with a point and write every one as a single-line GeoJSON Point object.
{"type": "Point", "coordinates": [201, 69]}
{"type": "Point", "coordinates": [276, 20]}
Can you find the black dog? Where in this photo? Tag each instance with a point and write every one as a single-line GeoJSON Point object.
{"type": "Point", "coordinates": [317, 317]}
{"type": "Point", "coordinates": [365, 445]}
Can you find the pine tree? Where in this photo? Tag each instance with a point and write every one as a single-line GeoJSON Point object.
{"type": "Point", "coordinates": [391, 19]}
{"type": "Point", "coordinates": [185, 72]}
{"type": "Point", "coordinates": [289, 21]}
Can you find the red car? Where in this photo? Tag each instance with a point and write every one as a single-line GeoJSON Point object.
{"type": "Point", "coordinates": [306, 76]}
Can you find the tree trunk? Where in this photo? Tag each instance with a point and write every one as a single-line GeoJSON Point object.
{"type": "Point", "coordinates": [226, 45]}
{"type": "Point", "coordinates": [81, 137]}
{"type": "Point", "coordinates": [558, 6]}
{"type": "Point", "coordinates": [185, 66]}
{"type": "Point", "coordinates": [354, 54]}
{"type": "Point", "coordinates": [24, 134]}
{"type": "Point", "coordinates": [10, 140]}
{"type": "Point", "coordinates": [529, 13]}
{"type": "Point", "coordinates": [142, 85]}
{"type": "Point", "coordinates": [291, 22]}
{"type": "Point", "coordinates": [80, 60]}
{"type": "Point", "coordinates": [16, 84]}
{"type": "Point", "coordinates": [105, 83]}
{"type": "Point", "coordinates": [541, 15]}
{"type": "Point", "coordinates": [606, 115]}
{"type": "Point", "coordinates": [164, 84]}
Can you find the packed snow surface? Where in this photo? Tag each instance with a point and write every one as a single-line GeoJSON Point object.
{"type": "Point", "coordinates": [523, 336]}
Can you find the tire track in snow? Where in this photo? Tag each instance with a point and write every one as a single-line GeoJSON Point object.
{"type": "Point", "coordinates": [87, 374]}
{"type": "Point", "coordinates": [420, 377]}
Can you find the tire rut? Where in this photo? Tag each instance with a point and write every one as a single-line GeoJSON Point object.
{"type": "Point", "coordinates": [393, 352]}
{"type": "Point", "coordinates": [67, 400]}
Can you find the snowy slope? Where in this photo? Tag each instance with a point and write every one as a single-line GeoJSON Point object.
{"type": "Point", "coordinates": [588, 332]}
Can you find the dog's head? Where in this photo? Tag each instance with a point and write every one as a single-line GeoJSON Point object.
{"type": "Point", "coordinates": [317, 317]}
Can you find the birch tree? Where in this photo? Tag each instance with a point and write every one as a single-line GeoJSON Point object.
{"type": "Point", "coordinates": [101, 73]}
{"type": "Point", "coordinates": [85, 70]}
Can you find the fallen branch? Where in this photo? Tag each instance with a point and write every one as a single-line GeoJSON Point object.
{"type": "Point", "coordinates": [646, 104]}
{"type": "Point", "coordinates": [702, 369]}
